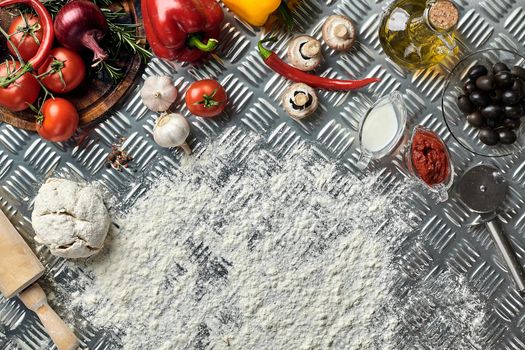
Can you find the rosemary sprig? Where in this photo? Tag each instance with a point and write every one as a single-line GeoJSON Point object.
{"type": "Point", "coordinates": [53, 6]}
{"type": "Point", "coordinates": [123, 34]}
{"type": "Point", "coordinates": [110, 70]}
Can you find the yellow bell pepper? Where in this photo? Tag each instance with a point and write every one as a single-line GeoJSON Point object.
{"type": "Point", "coordinates": [255, 12]}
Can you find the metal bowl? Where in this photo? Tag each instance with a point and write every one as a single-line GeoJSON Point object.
{"type": "Point", "coordinates": [456, 120]}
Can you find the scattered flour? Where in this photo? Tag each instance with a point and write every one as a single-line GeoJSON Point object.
{"type": "Point", "coordinates": [239, 249]}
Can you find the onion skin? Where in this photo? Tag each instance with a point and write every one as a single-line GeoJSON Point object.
{"type": "Point", "coordinates": [80, 25]}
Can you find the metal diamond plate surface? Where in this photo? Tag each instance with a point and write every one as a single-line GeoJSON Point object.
{"type": "Point", "coordinates": [443, 239]}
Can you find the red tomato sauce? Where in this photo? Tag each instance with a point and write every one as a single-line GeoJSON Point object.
{"type": "Point", "coordinates": [430, 158]}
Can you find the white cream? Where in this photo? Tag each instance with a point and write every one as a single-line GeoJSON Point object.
{"type": "Point", "coordinates": [379, 128]}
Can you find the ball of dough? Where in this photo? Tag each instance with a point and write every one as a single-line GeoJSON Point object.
{"type": "Point", "coordinates": [70, 218]}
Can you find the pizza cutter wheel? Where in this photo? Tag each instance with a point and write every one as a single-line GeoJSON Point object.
{"type": "Point", "coordinates": [482, 188]}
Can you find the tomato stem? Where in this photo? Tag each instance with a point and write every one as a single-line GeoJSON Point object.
{"type": "Point", "coordinates": [55, 67]}
{"type": "Point", "coordinates": [27, 29]}
{"type": "Point", "coordinates": [15, 49]}
{"type": "Point", "coordinates": [208, 101]}
{"type": "Point", "coordinates": [11, 78]}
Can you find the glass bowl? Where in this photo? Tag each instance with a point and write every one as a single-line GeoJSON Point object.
{"type": "Point", "coordinates": [456, 120]}
{"type": "Point", "coordinates": [398, 104]}
{"type": "Point", "coordinates": [439, 190]}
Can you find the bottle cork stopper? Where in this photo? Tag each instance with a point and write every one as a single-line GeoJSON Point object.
{"type": "Point", "coordinates": [443, 15]}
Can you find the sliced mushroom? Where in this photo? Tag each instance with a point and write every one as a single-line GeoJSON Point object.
{"type": "Point", "coordinates": [339, 32]}
{"type": "Point", "coordinates": [300, 100]}
{"type": "Point", "coordinates": [304, 52]}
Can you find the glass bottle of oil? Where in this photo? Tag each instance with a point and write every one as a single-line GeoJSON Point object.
{"type": "Point", "coordinates": [419, 33]}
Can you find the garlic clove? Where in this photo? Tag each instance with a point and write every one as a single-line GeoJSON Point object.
{"type": "Point", "coordinates": [300, 100]}
{"type": "Point", "coordinates": [158, 93]}
{"type": "Point", "coordinates": [172, 130]}
{"type": "Point", "coordinates": [339, 32]}
{"type": "Point", "coordinates": [304, 52]}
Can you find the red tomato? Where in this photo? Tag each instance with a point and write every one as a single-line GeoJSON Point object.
{"type": "Point", "coordinates": [26, 35]}
{"type": "Point", "coordinates": [59, 120]}
{"type": "Point", "coordinates": [66, 70]}
{"type": "Point", "coordinates": [206, 98]}
{"type": "Point", "coordinates": [18, 95]}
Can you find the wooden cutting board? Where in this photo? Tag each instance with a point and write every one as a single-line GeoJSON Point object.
{"type": "Point", "coordinates": [97, 94]}
{"type": "Point", "coordinates": [19, 266]}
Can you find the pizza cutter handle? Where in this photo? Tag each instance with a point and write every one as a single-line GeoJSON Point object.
{"type": "Point", "coordinates": [509, 255]}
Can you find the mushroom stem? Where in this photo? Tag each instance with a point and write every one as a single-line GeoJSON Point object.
{"type": "Point", "coordinates": [341, 32]}
{"type": "Point", "coordinates": [300, 99]}
{"type": "Point", "coordinates": [311, 49]}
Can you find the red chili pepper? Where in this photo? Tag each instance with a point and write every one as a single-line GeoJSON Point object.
{"type": "Point", "coordinates": [18, 87]}
{"type": "Point", "coordinates": [182, 30]}
{"type": "Point", "coordinates": [291, 73]}
{"type": "Point", "coordinates": [47, 28]}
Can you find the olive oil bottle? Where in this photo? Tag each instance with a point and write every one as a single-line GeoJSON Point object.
{"type": "Point", "coordinates": [419, 33]}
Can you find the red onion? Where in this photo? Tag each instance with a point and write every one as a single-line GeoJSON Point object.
{"type": "Point", "coordinates": [80, 24]}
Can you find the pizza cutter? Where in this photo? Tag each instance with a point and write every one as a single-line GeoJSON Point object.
{"type": "Point", "coordinates": [483, 188]}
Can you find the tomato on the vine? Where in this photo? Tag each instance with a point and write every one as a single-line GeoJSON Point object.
{"type": "Point", "coordinates": [206, 98]}
{"type": "Point", "coordinates": [25, 33]}
{"type": "Point", "coordinates": [58, 120]}
{"type": "Point", "coordinates": [18, 93]}
{"type": "Point", "coordinates": [63, 70]}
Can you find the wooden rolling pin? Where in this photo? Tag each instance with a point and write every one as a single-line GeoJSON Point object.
{"type": "Point", "coordinates": [19, 270]}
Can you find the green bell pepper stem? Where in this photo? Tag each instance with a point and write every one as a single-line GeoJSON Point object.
{"type": "Point", "coordinates": [195, 41]}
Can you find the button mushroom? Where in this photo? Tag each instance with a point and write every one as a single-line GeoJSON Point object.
{"type": "Point", "coordinates": [339, 32]}
{"type": "Point", "coordinates": [304, 52]}
{"type": "Point", "coordinates": [300, 100]}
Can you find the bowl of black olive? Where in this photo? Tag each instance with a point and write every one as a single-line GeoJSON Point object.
{"type": "Point", "coordinates": [484, 102]}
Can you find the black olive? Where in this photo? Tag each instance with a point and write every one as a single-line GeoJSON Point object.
{"type": "Point", "coordinates": [469, 87]}
{"type": "Point", "coordinates": [465, 105]}
{"type": "Point", "coordinates": [476, 119]}
{"type": "Point", "coordinates": [500, 67]}
{"type": "Point", "coordinates": [504, 79]}
{"type": "Point", "coordinates": [510, 97]}
{"type": "Point", "coordinates": [495, 95]}
{"type": "Point", "coordinates": [518, 72]}
{"type": "Point", "coordinates": [511, 123]}
{"type": "Point", "coordinates": [486, 83]}
{"type": "Point", "coordinates": [492, 111]}
{"type": "Point", "coordinates": [480, 99]}
{"type": "Point", "coordinates": [488, 136]}
{"type": "Point", "coordinates": [514, 111]}
{"type": "Point", "coordinates": [506, 136]}
{"type": "Point", "coordinates": [493, 123]}
{"type": "Point", "coordinates": [518, 86]}
{"type": "Point", "coordinates": [477, 71]}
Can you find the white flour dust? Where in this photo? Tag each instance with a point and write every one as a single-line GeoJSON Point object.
{"type": "Point", "coordinates": [442, 313]}
{"type": "Point", "coordinates": [242, 250]}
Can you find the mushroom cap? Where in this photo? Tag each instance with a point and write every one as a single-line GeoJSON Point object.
{"type": "Point", "coordinates": [304, 52]}
{"type": "Point", "coordinates": [339, 32]}
{"type": "Point", "coordinates": [300, 100]}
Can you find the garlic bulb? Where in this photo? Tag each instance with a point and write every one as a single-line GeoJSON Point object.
{"type": "Point", "coordinates": [158, 93]}
{"type": "Point", "coordinates": [172, 130]}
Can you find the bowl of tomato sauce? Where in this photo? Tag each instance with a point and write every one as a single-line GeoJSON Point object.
{"type": "Point", "coordinates": [428, 159]}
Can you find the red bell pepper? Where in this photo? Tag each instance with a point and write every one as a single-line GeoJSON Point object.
{"type": "Point", "coordinates": [182, 30]}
